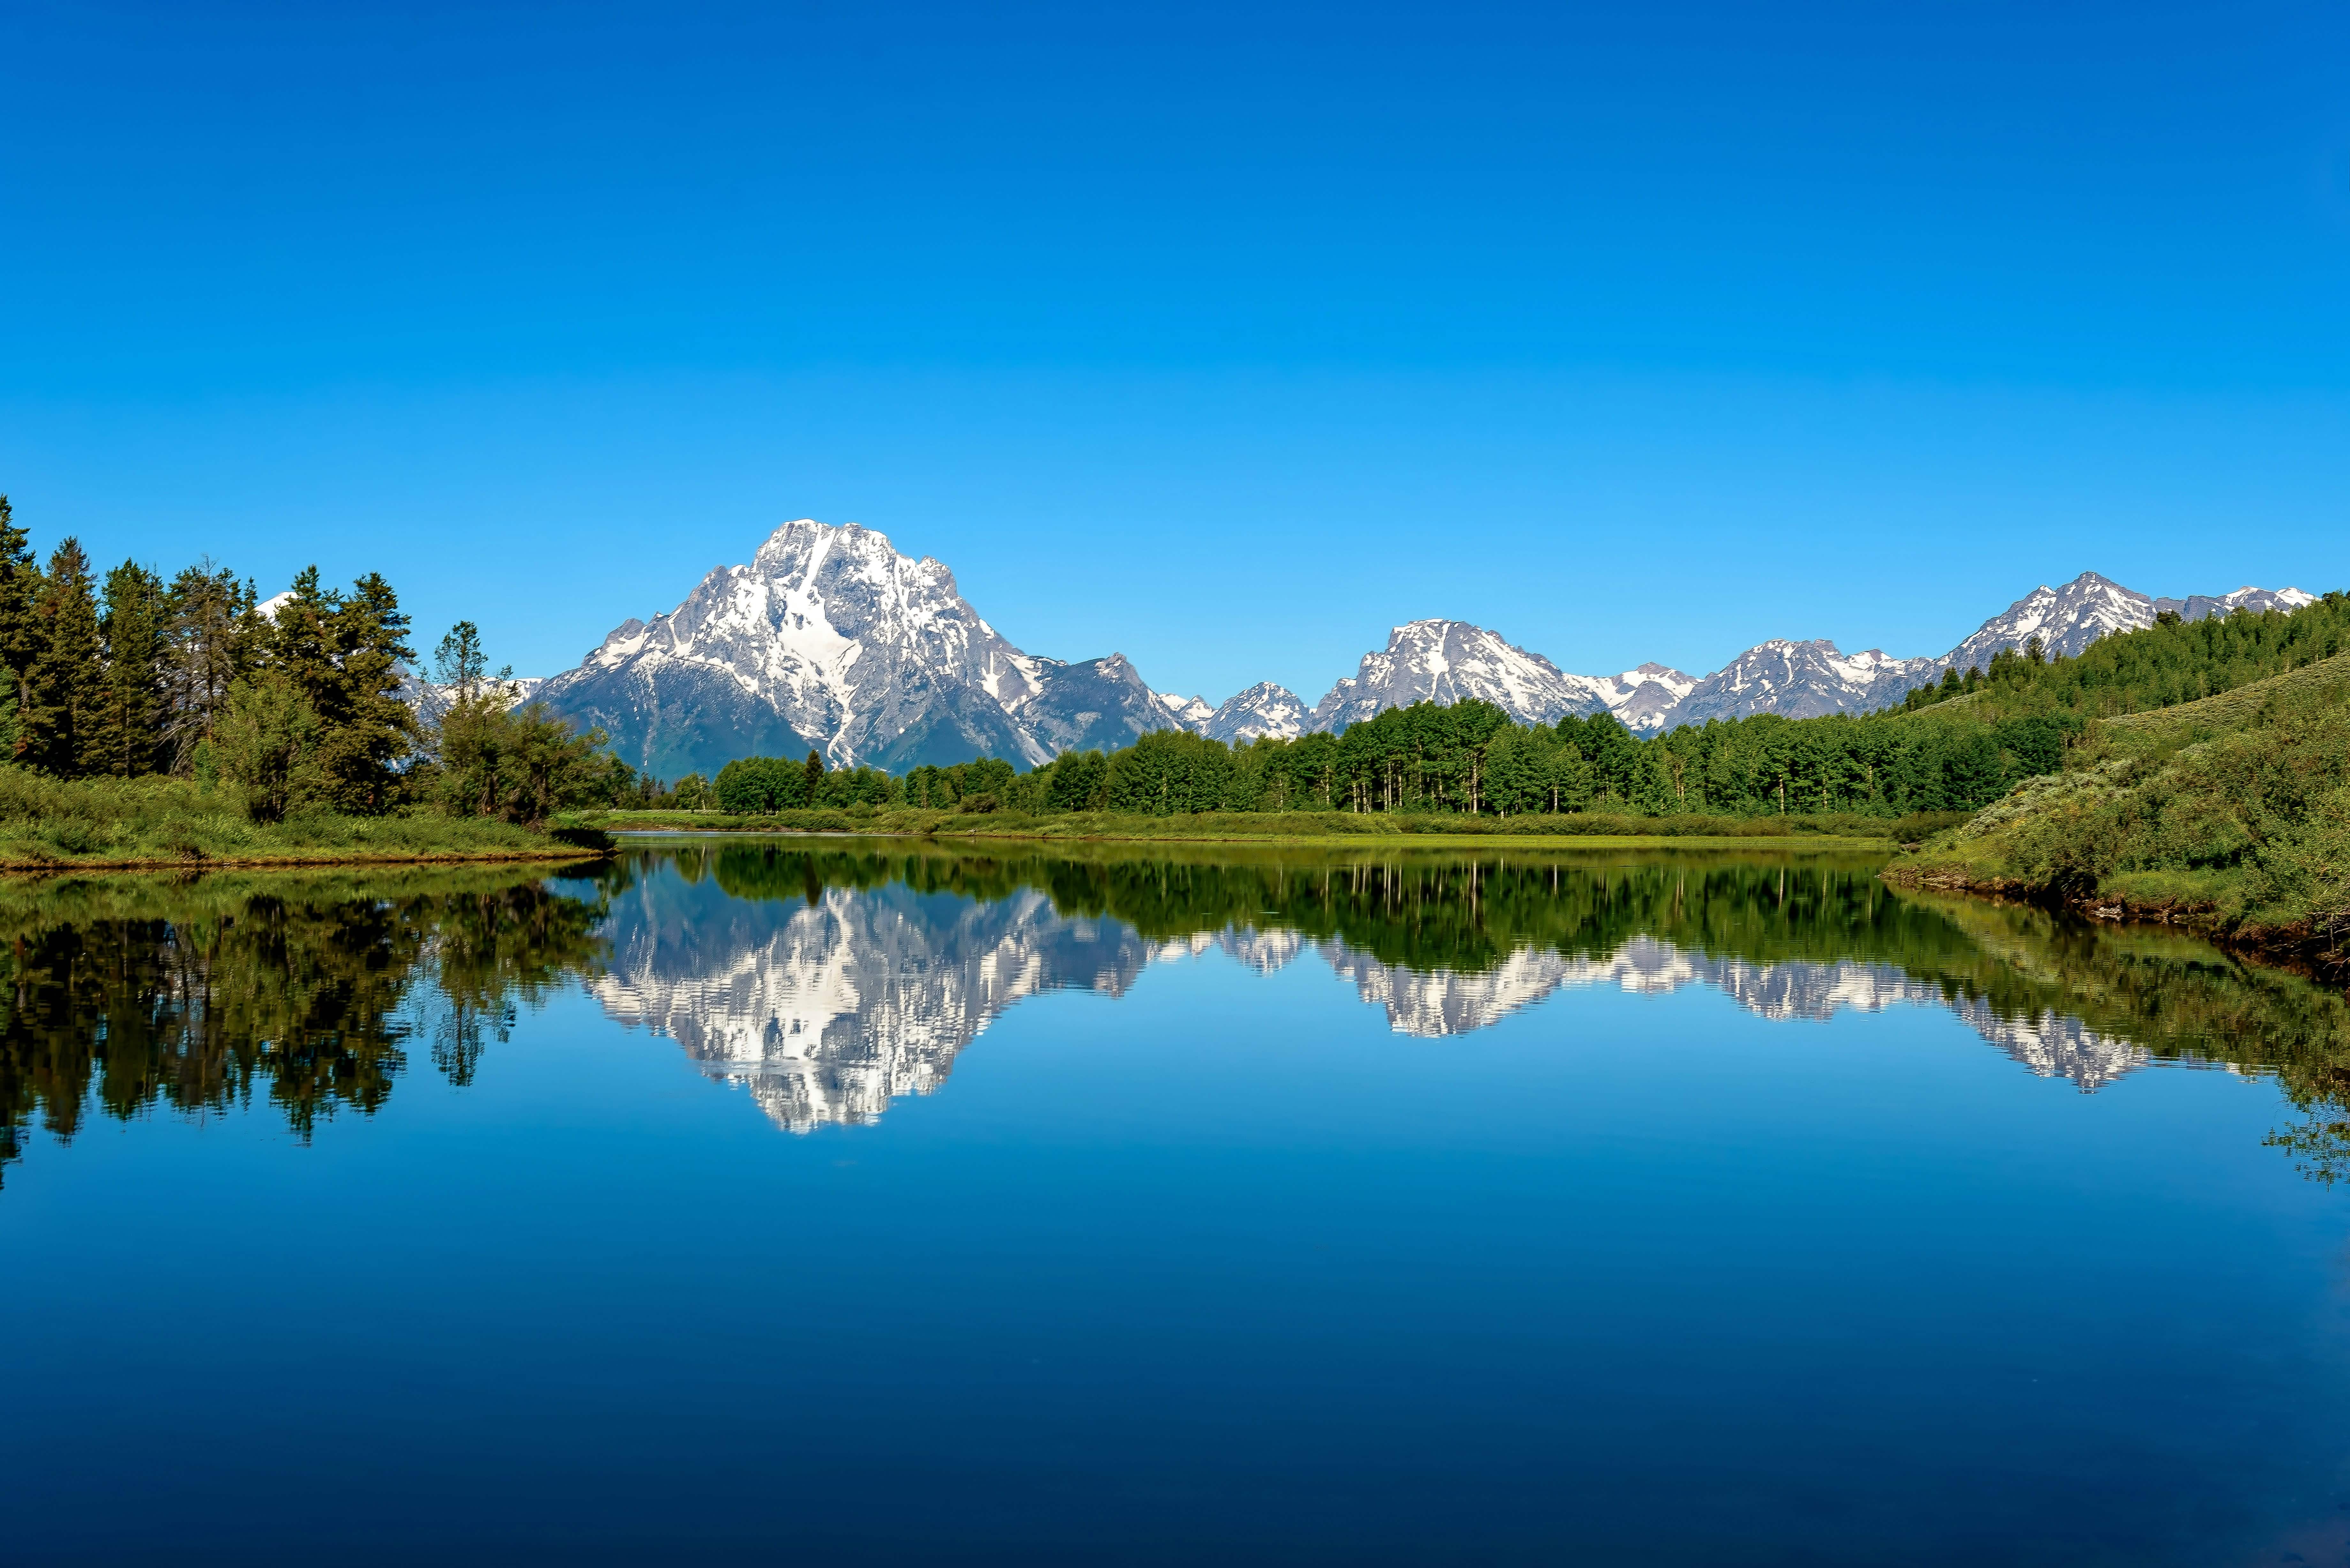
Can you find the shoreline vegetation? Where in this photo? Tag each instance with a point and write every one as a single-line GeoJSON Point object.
{"type": "Point", "coordinates": [148, 721]}
{"type": "Point", "coordinates": [49, 824]}
{"type": "Point", "coordinates": [1594, 829]}
{"type": "Point", "coordinates": [2229, 816]}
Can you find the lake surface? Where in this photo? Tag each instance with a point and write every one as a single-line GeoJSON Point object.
{"type": "Point", "coordinates": [858, 1203]}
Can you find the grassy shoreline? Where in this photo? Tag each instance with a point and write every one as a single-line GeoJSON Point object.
{"type": "Point", "coordinates": [50, 826]}
{"type": "Point", "coordinates": [1336, 829]}
{"type": "Point", "coordinates": [2229, 816]}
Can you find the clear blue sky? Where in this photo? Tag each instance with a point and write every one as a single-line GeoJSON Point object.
{"type": "Point", "coordinates": [1224, 338]}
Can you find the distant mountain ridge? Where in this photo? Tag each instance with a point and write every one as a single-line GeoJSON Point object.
{"type": "Point", "coordinates": [830, 639]}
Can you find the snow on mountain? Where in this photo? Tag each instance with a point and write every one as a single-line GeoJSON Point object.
{"type": "Point", "coordinates": [1641, 698]}
{"type": "Point", "coordinates": [430, 699]}
{"type": "Point", "coordinates": [1190, 713]}
{"type": "Point", "coordinates": [2195, 607]}
{"type": "Point", "coordinates": [2065, 620]}
{"type": "Point", "coordinates": [830, 640]}
{"type": "Point", "coordinates": [1450, 660]}
{"type": "Point", "coordinates": [2069, 619]}
{"type": "Point", "coordinates": [1264, 709]}
{"type": "Point", "coordinates": [1097, 704]}
{"type": "Point", "coordinates": [1802, 681]}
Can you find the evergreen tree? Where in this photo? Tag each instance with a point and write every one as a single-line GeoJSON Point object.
{"type": "Point", "coordinates": [131, 731]}
{"type": "Point", "coordinates": [211, 638]}
{"type": "Point", "coordinates": [459, 662]}
{"type": "Point", "coordinates": [20, 587]}
{"type": "Point", "coordinates": [369, 726]}
{"type": "Point", "coordinates": [65, 684]}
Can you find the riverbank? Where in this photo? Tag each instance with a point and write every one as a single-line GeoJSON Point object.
{"type": "Point", "coordinates": [1335, 827]}
{"type": "Point", "coordinates": [163, 824]}
{"type": "Point", "coordinates": [2230, 816]}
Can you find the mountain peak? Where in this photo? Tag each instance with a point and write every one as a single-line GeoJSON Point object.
{"type": "Point", "coordinates": [830, 639]}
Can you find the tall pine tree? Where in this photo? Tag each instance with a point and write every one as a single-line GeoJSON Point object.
{"type": "Point", "coordinates": [65, 684]}
{"type": "Point", "coordinates": [369, 727]}
{"type": "Point", "coordinates": [213, 637]}
{"type": "Point", "coordinates": [20, 586]}
{"type": "Point", "coordinates": [130, 729]}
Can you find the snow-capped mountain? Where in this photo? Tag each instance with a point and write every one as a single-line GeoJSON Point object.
{"type": "Point", "coordinates": [1444, 660]}
{"type": "Point", "coordinates": [830, 639]}
{"type": "Point", "coordinates": [2069, 619]}
{"type": "Point", "coordinates": [2195, 607]}
{"type": "Point", "coordinates": [1642, 697]}
{"type": "Point", "coordinates": [1190, 713]}
{"type": "Point", "coordinates": [1264, 709]}
{"type": "Point", "coordinates": [1450, 660]}
{"type": "Point", "coordinates": [1801, 680]}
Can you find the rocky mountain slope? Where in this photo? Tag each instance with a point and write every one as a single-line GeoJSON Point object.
{"type": "Point", "coordinates": [1444, 660]}
{"type": "Point", "coordinates": [1450, 660]}
{"type": "Point", "coordinates": [1264, 709]}
{"type": "Point", "coordinates": [830, 639]}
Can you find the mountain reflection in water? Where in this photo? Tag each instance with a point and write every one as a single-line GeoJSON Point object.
{"type": "Point", "coordinates": [829, 979]}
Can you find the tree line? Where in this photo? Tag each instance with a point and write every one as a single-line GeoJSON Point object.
{"type": "Point", "coordinates": [303, 705]}
{"type": "Point", "coordinates": [1930, 753]}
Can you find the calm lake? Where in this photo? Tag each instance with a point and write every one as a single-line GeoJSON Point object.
{"type": "Point", "coordinates": [841, 1201]}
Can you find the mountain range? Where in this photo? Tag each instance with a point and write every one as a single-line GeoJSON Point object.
{"type": "Point", "coordinates": [830, 639]}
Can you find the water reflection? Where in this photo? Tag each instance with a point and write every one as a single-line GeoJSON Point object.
{"type": "Point", "coordinates": [829, 981]}
{"type": "Point", "coordinates": [303, 990]}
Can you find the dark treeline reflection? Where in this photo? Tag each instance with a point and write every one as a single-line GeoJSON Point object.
{"type": "Point", "coordinates": [307, 992]}
{"type": "Point", "coordinates": [2167, 994]}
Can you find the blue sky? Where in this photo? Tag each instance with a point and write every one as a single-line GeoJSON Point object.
{"type": "Point", "coordinates": [1226, 337]}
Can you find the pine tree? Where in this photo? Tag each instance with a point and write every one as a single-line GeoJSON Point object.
{"type": "Point", "coordinates": [20, 587]}
{"type": "Point", "coordinates": [65, 684]}
{"type": "Point", "coordinates": [298, 642]}
{"type": "Point", "coordinates": [212, 635]}
{"type": "Point", "coordinates": [130, 730]}
{"type": "Point", "coordinates": [369, 726]}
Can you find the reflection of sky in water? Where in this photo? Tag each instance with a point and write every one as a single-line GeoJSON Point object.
{"type": "Point", "coordinates": [827, 1011]}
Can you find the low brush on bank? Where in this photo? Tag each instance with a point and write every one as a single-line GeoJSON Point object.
{"type": "Point", "coordinates": [2231, 815]}
{"type": "Point", "coordinates": [52, 825]}
{"type": "Point", "coordinates": [1250, 827]}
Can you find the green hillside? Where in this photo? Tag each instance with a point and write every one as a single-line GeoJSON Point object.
{"type": "Point", "coordinates": [2230, 812]}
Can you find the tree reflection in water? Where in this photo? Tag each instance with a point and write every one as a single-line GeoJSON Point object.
{"type": "Point", "coordinates": [831, 977]}
{"type": "Point", "coordinates": [303, 990]}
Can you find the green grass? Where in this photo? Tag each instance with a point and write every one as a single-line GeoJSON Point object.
{"type": "Point", "coordinates": [1280, 827]}
{"type": "Point", "coordinates": [50, 825]}
{"type": "Point", "coordinates": [2232, 814]}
